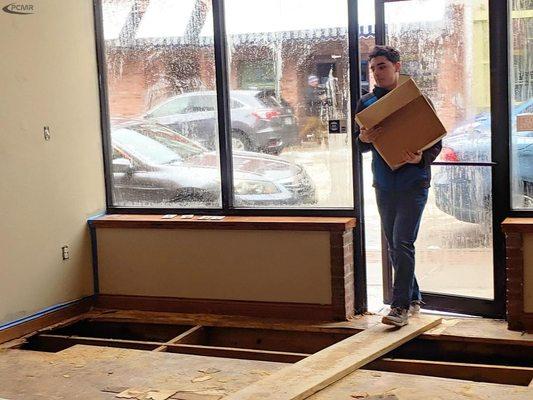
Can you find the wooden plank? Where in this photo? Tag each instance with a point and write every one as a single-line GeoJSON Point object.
{"type": "Point", "coordinates": [50, 341]}
{"type": "Point", "coordinates": [314, 373]}
{"type": "Point", "coordinates": [258, 309]}
{"type": "Point", "coordinates": [180, 338]}
{"type": "Point", "coordinates": [135, 221]}
{"type": "Point", "coordinates": [473, 372]}
{"type": "Point", "coordinates": [237, 321]}
{"type": "Point", "coordinates": [237, 353]}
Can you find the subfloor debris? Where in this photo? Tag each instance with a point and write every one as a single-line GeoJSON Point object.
{"type": "Point", "coordinates": [146, 394]}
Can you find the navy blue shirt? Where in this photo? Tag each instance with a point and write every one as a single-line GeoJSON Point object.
{"type": "Point", "coordinates": [408, 176]}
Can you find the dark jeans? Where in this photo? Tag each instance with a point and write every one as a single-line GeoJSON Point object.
{"type": "Point", "coordinates": [401, 212]}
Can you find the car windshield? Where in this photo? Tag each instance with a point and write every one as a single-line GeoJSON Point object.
{"type": "Point", "coordinates": [268, 99]}
{"type": "Point", "coordinates": [143, 147]}
{"type": "Point", "coordinates": [183, 146]}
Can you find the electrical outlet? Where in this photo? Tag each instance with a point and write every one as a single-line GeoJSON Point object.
{"type": "Point", "coordinates": [65, 252]}
{"type": "Point", "coordinates": [46, 132]}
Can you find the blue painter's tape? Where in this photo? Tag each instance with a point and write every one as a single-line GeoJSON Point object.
{"type": "Point", "coordinates": [39, 314]}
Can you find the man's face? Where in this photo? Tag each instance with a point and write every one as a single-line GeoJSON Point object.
{"type": "Point", "coordinates": [385, 72]}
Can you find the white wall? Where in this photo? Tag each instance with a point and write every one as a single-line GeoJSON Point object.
{"type": "Point", "coordinates": [48, 76]}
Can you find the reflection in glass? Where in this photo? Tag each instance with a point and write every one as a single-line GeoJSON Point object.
{"type": "Point", "coordinates": [288, 70]}
{"type": "Point", "coordinates": [445, 47]}
{"type": "Point", "coordinates": [162, 103]}
{"type": "Point", "coordinates": [454, 246]}
{"type": "Point", "coordinates": [522, 104]}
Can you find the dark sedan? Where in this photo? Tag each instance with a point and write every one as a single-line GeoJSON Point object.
{"type": "Point", "coordinates": [259, 122]}
{"type": "Point", "coordinates": [155, 166]}
{"type": "Point", "coordinates": [464, 191]}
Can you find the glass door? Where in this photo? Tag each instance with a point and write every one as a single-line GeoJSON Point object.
{"type": "Point", "coordinates": [445, 47]}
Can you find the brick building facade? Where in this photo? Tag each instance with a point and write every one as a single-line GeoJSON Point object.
{"type": "Point", "coordinates": [142, 73]}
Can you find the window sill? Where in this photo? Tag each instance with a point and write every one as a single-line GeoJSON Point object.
{"type": "Point", "coordinates": [518, 225]}
{"type": "Point", "coordinates": [336, 224]}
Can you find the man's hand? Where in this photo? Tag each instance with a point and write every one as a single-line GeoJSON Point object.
{"type": "Point", "coordinates": [412, 158]}
{"type": "Point", "coordinates": [369, 135]}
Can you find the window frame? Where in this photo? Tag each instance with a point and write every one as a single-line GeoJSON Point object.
{"type": "Point", "coordinates": [499, 23]}
{"type": "Point", "coordinates": [512, 212]}
{"type": "Point", "coordinates": [224, 128]}
{"type": "Point", "coordinates": [226, 167]}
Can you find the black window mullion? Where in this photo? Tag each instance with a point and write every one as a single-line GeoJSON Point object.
{"type": "Point", "coordinates": [379, 29]}
{"type": "Point", "coordinates": [105, 123]}
{"type": "Point", "coordinates": [224, 119]}
{"type": "Point", "coordinates": [500, 143]}
{"type": "Point", "coordinates": [361, 302]}
{"type": "Point", "coordinates": [379, 9]}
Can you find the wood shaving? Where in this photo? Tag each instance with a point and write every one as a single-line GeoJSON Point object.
{"type": "Point", "coordinates": [201, 378]}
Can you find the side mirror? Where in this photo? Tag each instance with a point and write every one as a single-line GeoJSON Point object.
{"type": "Point", "coordinates": [122, 165]}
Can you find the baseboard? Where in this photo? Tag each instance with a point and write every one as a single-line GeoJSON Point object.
{"type": "Point", "coordinates": [298, 311]}
{"type": "Point", "coordinates": [45, 318]}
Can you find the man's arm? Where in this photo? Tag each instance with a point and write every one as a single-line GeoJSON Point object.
{"type": "Point", "coordinates": [429, 155]}
{"type": "Point", "coordinates": [363, 147]}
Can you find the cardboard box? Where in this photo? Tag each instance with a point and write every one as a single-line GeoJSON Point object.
{"type": "Point", "coordinates": [408, 122]}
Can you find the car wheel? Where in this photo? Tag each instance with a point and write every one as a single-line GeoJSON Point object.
{"type": "Point", "coordinates": [195, 197]}
{"type": "Point", "coordinates": [240, 142]}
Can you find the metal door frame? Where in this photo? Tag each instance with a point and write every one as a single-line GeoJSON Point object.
{"type": "Point", "coordinates": [501, 194]}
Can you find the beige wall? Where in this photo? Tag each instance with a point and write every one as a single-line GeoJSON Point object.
{"type": "Point", "coordinates": [48, 76]}
{"type": "Point", "coordinates": [528, 273]}
{"type": "Point", "coordinates": [276, 266]}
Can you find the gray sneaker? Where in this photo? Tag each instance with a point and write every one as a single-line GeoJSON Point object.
{"type": "Point", "coordinates": [414, 307]}
{"type": "Point", "coordinates": [397, 317]}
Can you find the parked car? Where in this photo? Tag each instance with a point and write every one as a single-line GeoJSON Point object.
{"type": "Point", "coordinates": [464, 191]}
{"type": "Point", "coordinates": [258, 121]}
{"type": "Point", "coordinates": [154, 165]}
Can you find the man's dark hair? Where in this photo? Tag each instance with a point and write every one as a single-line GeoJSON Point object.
{"type": "Point", "coordinates": [390, 53]}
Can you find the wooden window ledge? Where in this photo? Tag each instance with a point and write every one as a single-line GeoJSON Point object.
{"type": "Point", "coordinates": [518, 225]}
{"type": "Point", "coordinates": [335, 224]}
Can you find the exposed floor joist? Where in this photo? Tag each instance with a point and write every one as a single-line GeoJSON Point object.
{"type": "Point", "coordinates": [473, 372]}
{"type": "Point", "coordinates": [92, 373]}
{"type": "Point", "coordinates": [314, 373]}
{"type": "Point", "coordinates": [229, 338]}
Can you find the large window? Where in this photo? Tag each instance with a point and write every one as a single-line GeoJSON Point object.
{"type": "Point", "coordinates": [522, 104]}
{"type": "Point", "coordinates": [289, 68]}
{"type": "Point", "coordinates": [162, 104]}
{"type": "Point", "coordinates": [288, 77]}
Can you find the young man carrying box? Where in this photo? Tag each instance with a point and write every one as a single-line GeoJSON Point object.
{"type": "Point", "coordinates": [401, 194]}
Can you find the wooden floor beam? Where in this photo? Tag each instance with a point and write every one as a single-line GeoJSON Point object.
{"type": "Point", "coordinates": [180, 338]}
{"type": "Point", "coordinates": [508, 375]}
{"type": "Point", "coordinates": [314, 373]}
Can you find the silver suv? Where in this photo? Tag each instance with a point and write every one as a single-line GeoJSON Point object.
{"type": "Point", "coordinates": [259, 122]}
